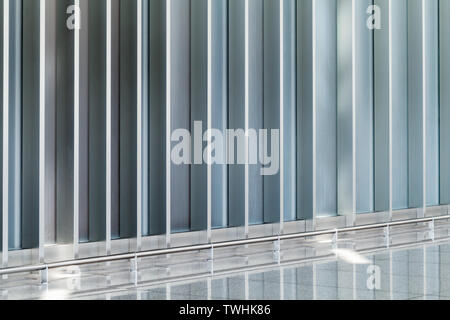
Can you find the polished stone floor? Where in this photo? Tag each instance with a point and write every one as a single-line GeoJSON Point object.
{"type": "Point", "coordinates": [421, 272]}
{"type": "Point", "coordinates": [415, 271]}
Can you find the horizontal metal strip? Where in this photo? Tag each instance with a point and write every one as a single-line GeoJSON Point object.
{"type": "Point", "coordinates": [214, 245]}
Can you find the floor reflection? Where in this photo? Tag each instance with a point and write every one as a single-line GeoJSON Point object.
{"type": "Point", "coordinates": [419, 272]}
{"type": "Point", "coordinates": [416, 273]}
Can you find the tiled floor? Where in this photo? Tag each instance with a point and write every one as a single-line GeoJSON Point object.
{"type": "Point", "coordinates": [421, 271]}
{"type": "Point", "coordinates": [416, 273]}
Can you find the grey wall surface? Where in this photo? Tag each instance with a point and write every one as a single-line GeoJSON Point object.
{"type": "Point", "coordinates": [364, 104]}
{"type": "Point", "coordinates": [97, 119]}
{"type": "Point", "coordinates": [64, 45]}
{"type": "Point", "coordinates": [198, 100]}
{"type": "Point", "coordinates": [219, 63]}
{"type": "Point", "coordinates": [363, 79]}
{"type": "Point", "coordinates": [127, 119]}
{"type": "Point", "coordinates": [180, 109]}
{"type": "Point", "coordinates": [236, 106]}
{"type": "Point", "coordinates": [444, 83]}
{"type": "Point", "coordinates": [326, 112]}
{"type": "Point", "coordinates": [381, 109]}
{"type": "Point", "coordinates": [305, 110]}
{"type": "Point", "coordinates": [157, 115]}
{"type": "Point", "coordinates": [30, 122]}
{"type": "Point", "coordinates": [1, 122]}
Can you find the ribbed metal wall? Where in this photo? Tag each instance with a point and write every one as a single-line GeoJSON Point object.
{"type": "Point", "coordinates": [87, 114]}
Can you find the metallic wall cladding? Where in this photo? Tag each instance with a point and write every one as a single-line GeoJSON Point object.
{"type": "Point", "coordinates": [326, 107]}
{"type": "Point", "coordinates": [236, 106]}
{"type": "Point", "coordinates": [4, 217]}
{"type": "Point", "coordinates": [97, 119]}
{"type": "Point", "coordinates": [87, 115]}
{"type": "Point", "coordinates": [444, 102]}
{"type": "Point", "coordinates": [305, 111]}
{"type": "Point", "coordinates": [30, 122]}
{"type": "Point", "coordinates": [382, 163]}
{"type": "Point", "coordinates": [219, 110]}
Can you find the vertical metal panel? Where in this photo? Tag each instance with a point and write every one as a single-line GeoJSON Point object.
{"type": "Point", "coordinates": [259, 211]}
{"type": "Point", "coordinates": [128, 104]}
{"type": "Point", "coordinates": [15, 132]}
{"type": "Point", "coordinates": [364, 117]}
{"type": "Point", "coordinates": [198, 65]}
{"type": "Point", "coordinates": [84, 123]}
{"type": "Point", "coordinates": [5, 129]}
{"type": "Point", "coordinates": [30, 132]}
{"type": "Point", "coordinates": [209, 122]}
{"type": "Point", "coordinates": [281, 123]}
{"type": "Point", "coordinates": [289, 114]}
{"type": "Point", "coordinates": [305, 109]}
{"type": "Point", "coordinates": [236, 111]}
{"type": "Point", "coordinates": [399, 102]}
{"type": "Point", "coordinates": [144, 100]}
{"type": "Point", "coordinates": [109, 122]}
{"type": "Point", "coordinates": [326, 107]}
{"type": "Point", "coordinates": [97, 120]}
{"type": "Point", "coordinates": [390, 111]}
{"type": "Point", "coordinates": [431, 47]}
{"type": "Point", "coordinates": [345, 108]}
{"type": "Point", "coordinates": [42, 128]}
{"type": "Point", "coordinates": [64, 85]}
{"type": "Point", "coordinates": [158, 185]}
{"type": "Point", "coordinates": [140, 74]}
{"type": "Point", "coordinates": [111, 94]}
{"type": "Point", "coordinates": [444, 95]}
{"type": "Point", "coordinates": [381, 109]}
{"type": "Point", "coordinates": [219, 107]}
{"type": "Point", "coordinates": [76, 133]}
{"type": "Point", "coordinates": [416, 147]}
{"type": "Point", "coordinates": [271, 102]}
{"type": "Point", "coordinates": [168, 115]}
{"type": "Point", "coordinates": [115, 120]}
{"type": "Point", "coordinates": [50, 129]}
{"type": "Point", "coordinates": [180, 61]}
{"type": "Point", "coordinates": [314, 114]}
{"type": "Point", "coordinates": [246, 114]}
{"type": "Point", "coordinates": [425, 108]}
{"type": "Point", "coordinates": [113, 105]}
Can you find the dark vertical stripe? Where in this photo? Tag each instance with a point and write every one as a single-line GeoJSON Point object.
{"type": "Point", "coordinates": [64, 124]}
{"type": "Point", "coordinates": [236, 111]}
{"type": "Point", "coordinates": [157, 116]}
{"type": "Point", "coordinates": [30, 125]}
{"type": "Point", "coordinates": [199, 86]}
{"type": "Point", "coordinates": [128, 113]}
{"type": "Point", "coordinates": [97, 119]}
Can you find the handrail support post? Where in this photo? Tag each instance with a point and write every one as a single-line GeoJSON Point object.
{"type": "Point", "coordinates": [135, 269]}
{"type": "Point", "coordinates": [44, 275]}
{"type": "Point", "coordinates": [277, 250]}
{"type": "Point", "coordinates": [387, 235]}
{"type": "Point", "coordinates": [211, 259]}
{"type": "Point", "coordinates": [335, 239]}
{"type": "Point", "coordinates": [431, 229]}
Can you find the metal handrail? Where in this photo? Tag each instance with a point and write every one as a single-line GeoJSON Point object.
{"type": "Point", "coordinates": [224, 244]}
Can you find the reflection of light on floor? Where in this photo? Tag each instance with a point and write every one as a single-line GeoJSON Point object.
{"type": "Point", "coordinates": [351, 256]}
{"type": "Point", "coordinates": [67, 273]}
{"type": "Point", "coordinates": [55, 294]}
